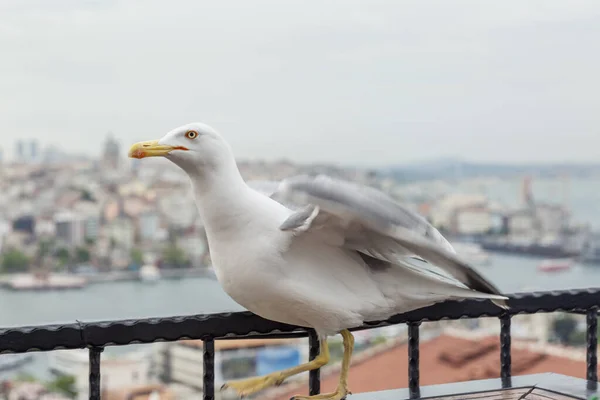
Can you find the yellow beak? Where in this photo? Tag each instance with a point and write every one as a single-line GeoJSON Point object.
{"type": "Point", "coordinates": [151, 148]}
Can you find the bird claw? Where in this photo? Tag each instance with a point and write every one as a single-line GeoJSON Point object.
{"type": "Point", "coordinates": [249, 386]}
{"type": "Point", "coordinates": [339, 394]}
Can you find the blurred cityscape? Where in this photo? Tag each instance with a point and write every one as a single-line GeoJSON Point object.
{"type": "Point", "coordinates": [69, 224]}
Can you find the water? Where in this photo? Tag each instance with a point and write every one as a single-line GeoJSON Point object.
{"type": "Point", "coordinates": [519, 274]}
{"type": "Point", "coordinates": [123, 300]}
{"type": "Point", "coordinates": [116, 300]}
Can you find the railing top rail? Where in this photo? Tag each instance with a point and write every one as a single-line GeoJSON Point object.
{"type": "Point", "coordinates": [246, 325]}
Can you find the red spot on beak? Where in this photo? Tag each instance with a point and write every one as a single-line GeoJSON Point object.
{"type": "Point", "coordinates": [138, 153]}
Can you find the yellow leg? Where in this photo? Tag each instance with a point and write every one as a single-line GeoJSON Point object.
{"type": "Point", "coordinates": [342, 390]}
{"type": "Point", "coordinates": [246, 387]}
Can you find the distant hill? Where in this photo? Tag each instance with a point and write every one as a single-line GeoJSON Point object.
{"type": "Point", "coordinates": [458, 169]}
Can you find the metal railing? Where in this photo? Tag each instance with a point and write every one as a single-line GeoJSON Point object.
{"type": "Point", "coordinates": [95, 336]}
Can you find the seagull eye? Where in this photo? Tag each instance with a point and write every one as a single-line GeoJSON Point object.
{"type": "Point", "coordinates": [191, 134]}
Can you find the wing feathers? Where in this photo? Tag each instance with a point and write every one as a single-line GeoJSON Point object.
{"type": "Point", "coordinates": [375, 225]}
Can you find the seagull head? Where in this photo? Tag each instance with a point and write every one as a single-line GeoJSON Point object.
{"type": "Point", "coordinates": [193, 147]}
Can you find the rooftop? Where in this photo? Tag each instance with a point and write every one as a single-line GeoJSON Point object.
{"type": "Point", "coordinates": [444, 359]}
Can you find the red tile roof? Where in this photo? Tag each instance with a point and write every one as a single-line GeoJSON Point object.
{"type": "Point", "coordinates": [444, 359]}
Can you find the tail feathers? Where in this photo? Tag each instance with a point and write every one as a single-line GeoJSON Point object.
{"type": "Point", "coordinates": [501, 303]}
{"type": "Point", "coordinates": [404, 284]}
{"type": "Point", "coordinates": [459, 293]}
{"type": "Point", "coordinates": [498, 300]}
{"type": "Point", "coordinates": [447, 286]}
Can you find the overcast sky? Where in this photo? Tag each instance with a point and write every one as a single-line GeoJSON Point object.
{"type": "Point", "coordinates": [361, 82]}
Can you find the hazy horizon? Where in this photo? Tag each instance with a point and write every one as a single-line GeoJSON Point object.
{"type": "Point", "coordinates": [348, 83]}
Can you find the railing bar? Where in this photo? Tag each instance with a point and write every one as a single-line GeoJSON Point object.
{"type": "Point", "coordinates": [314, 376]}
{"type": "Point", "coordinates": [246, 325]}
{"type": "Point", "coordinates": [413, 360]}
{"type": "Point", "coordinates": [94, 378]}
{"type": "Point", "coordinates": [505, 349]}
{"type": "Point", "coordinates": [208, 378]}
{"type": "Point", "coordinates": [592, 344]}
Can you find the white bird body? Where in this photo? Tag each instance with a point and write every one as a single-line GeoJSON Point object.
{"type": "Point", "coordinates": [269, 271]}
{"type": "Point", "coordinates": [343, 260]}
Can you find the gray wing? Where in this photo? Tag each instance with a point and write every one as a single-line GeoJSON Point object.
{"type": "Point", "coordinates": [374, 224]}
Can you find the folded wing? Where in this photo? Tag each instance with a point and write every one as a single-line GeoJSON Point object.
{"type": "Point", "coordinates": [372, 223]}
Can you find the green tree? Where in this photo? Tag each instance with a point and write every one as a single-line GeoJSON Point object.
{"type": "Point", "coordinates": [82, 255]}
{"type": "Point", "coordinates": [175, 257]}
{"type": "Point", "coordinates": [86, 195]}
{"type": "Point", "coordinates": [25, 377]}
{"type": "Point", "coordinates": [564, 327]}
{"type": "Point", "coordinates": [578, 338]}
{"type": "Point", "coordinates": [63, 256]}
{"type": "Point", "coordinates": [64, 384]}
{"type": "Point", "coordinates": [379, 340]}
{"type": "Point", "coordinates": [137, 257]}
{"type": "Point", "coordinates": [15, 261]}
{"type": "Point", "coordinates": [44, 248]}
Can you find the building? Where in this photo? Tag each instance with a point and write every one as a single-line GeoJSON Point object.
{"type": "Point", "coordinates": [234, 359]}
{"type": "Point", "coordinates": [119, 370]}
{"type": "Point", "coordinates": [121, 231]}
{"type": "Point", "coordinates": [546, 219]}
{"type": "Point", "coordinates": [145, 392]}
{"type": "Point", "coordinates": [25, 223]}
{"type": "Point", "coordinates": [33, 151]}
{"type": "Point", "coordinates": [27, 150]}
{"type": "Point", "coordinates": [70, 228]}
{"type": "Point", "coordinates": [521, 222]}
{"type": "Point", "coordinates": [45, 227]}
{"type": "Point", "coordinates": [471, 220]}
{"type": "Point", "coordinates": [112, 152]}
{"type": "Point", "coordinates": [195, 246]}
{"type": "Point", "coordinates": [443, 213]}
{"type": "Point", "coordinates": [552, 218]}
{"type": "Point", "coordinates": [183, 202]}
{"type": "Point", "coordinates": [148, 224]}
{"type": "Point", "coordinates": [90, 214]}
{"type": "Point", "coordinates": [91, 227]}
{"type": "Point", "coordinates": [20, 150]}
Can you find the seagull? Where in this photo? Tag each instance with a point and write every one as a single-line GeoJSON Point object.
{"type": "Point", "coordinates": [313, 251]}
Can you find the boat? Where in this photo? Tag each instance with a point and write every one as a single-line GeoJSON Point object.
{"type": "Point", "coordinates": [472, 253]}
{"type": "Point", "coordinates": [529, 247]}
{"type": "Point", "coordinates": [149, 273]}
{"type": "Point", "coordinates": [590, 254]}
{"type": "Point", "coordinates": [555, 265]}
{"type": "Point", "coordinates": [46, 282]}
